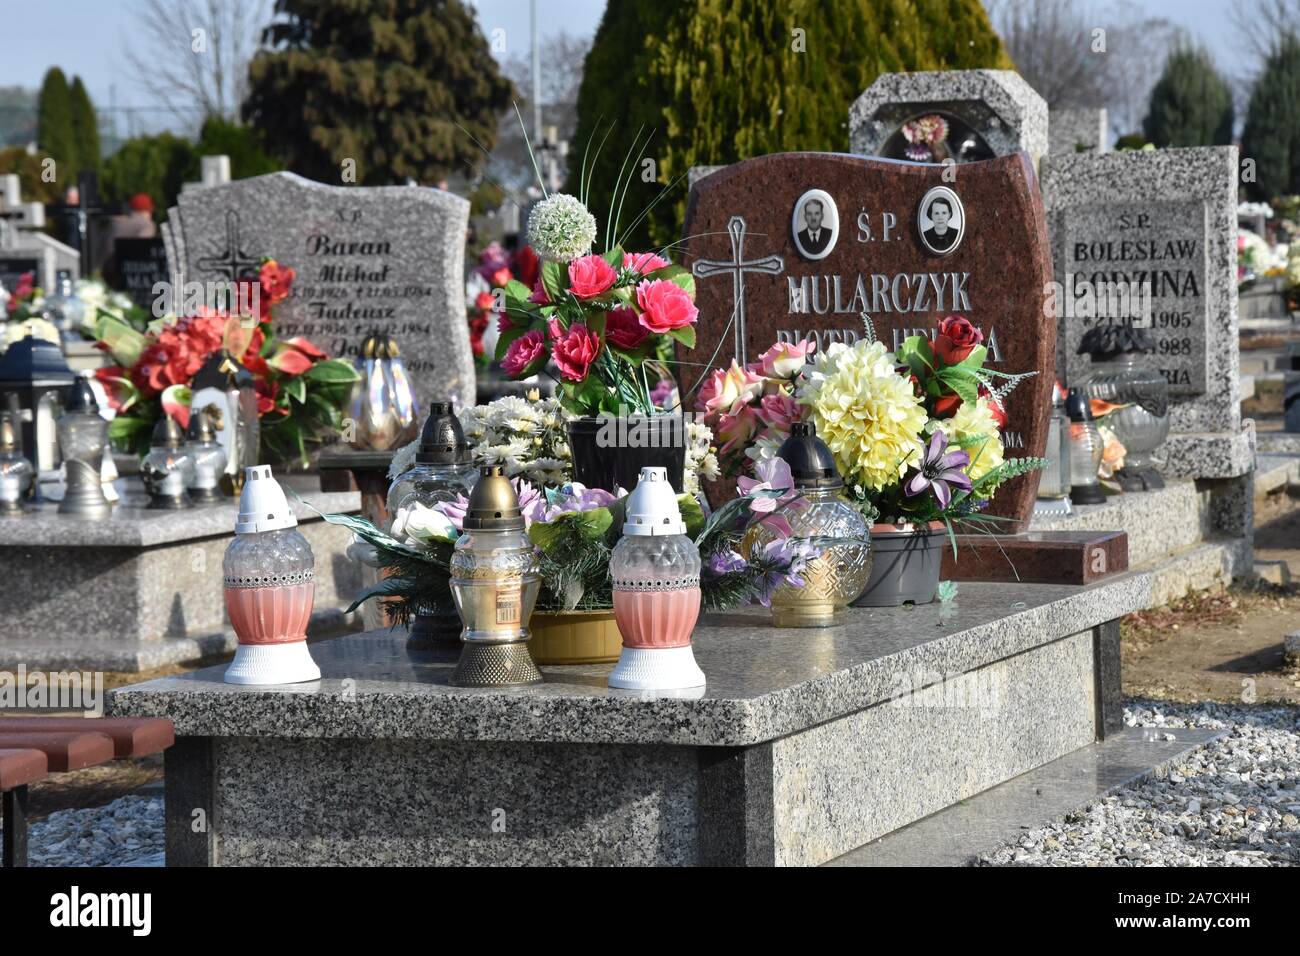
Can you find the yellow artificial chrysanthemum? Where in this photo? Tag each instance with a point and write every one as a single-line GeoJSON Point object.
{"type": "Point", "coordinates": [865, 412]}
{"type": "Point", "coordinates": [976, 421]}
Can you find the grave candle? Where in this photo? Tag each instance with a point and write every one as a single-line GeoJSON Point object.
{"type": "Point", "coordinates": [656, 572]}
{"type": "Point", "coordinates": [166, 469]}
{"type": "Point", "coordinates": [1054, 480]}
{"type": "Point", "coordinates": [1085, 451]}
{"type": "Point", "coordinates": [269, 572]}
{"type": "Point", "coordinates": [82, 436]}
{"type": "Point", "coordinates": [494, 580]}
{"type": "Point", "coordinates": [15, 470]}
{"type": "Point", "coordinates": [208, 458]}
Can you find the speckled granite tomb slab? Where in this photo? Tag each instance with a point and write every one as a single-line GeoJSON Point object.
{"type": "Point", "coordinates": [764, 682]}
{"type": "Point", "coordinates": [799, 749]}
{"type": "Point", "coordinates": [76, 588]}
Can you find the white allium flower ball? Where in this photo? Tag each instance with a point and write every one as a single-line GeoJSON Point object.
{"type": "Point", "coordinates": [561, 229]}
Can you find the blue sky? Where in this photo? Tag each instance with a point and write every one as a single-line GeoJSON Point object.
{"type": "Point", "coordinates": [88, 37]}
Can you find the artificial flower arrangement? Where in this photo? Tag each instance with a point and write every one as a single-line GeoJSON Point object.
{"type": "Point", "coordinates": [600, 318]}
{"type": "Point", "coordinates": [495, 270]}
{"type": "Point", "coordinates": [916, 436]}
{"type": "Point", "coordinates": [926, 138]}
{"type": "Point", "coordinates": [24, 310]}
{"type": "Point", "coordinates": [301, 392]}
{"type": "Point", "coordinates": [575, 529]}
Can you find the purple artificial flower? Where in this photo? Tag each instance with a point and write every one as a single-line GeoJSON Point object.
{"type": "Point", "coordinates": [726, 562]}
{"type": "Point", "coordinates": [786, 561]}
{"type": "Point", "coordinates": [918, 153]}
{"type": "Point", "coordinates": [576, 496]}
{"type": "Point", "coordinates": [493, 259]}
{"type": "Point", "coordinates": [662, 392]}
{"type": "Point", "coordinates": [773, 475]}
{"type": "Point", "coordinates": [531, 503]}
{"type": "Point", "coordinates": [940, 471]}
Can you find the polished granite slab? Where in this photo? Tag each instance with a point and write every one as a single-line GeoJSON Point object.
{"type": "Point", "coordinates": [958, 834]}
{"type": "Point", "coordinates": [764, 682]}
{"type": "Point", "coordinates": [134, 525]}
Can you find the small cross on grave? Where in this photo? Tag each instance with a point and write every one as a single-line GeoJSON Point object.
{"type": "Point", "coordinates": [738, 266]}
{"type": "Point", "coordinates": [232, 262]}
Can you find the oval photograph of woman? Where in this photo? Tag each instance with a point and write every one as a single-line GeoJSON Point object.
{"type": "Point", "coordinates": [815, 225]}
{"type": "Point", "coordinates": [941, 220]}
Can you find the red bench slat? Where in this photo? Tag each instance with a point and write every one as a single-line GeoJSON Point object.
{"type": "Point", "coordinates": [18, 767]}
{"type": "Point", "coordinates": [131, 736]}
{"type": "Point", "coordinates": [65, 751]}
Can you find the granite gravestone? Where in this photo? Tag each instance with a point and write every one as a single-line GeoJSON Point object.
{"type": "Point", "coordinates": [870, 245]}
{"type": "Point", "coordinates": [140, 264]}
{"type": "Point", "coordinates": [384, 258]}
{"type": "Point", "coordinates": [985, 112]}
{"type": "Point", "coordinates": [1150, 239]}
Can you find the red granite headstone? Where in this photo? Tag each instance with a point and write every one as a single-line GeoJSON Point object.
{"type": "Point", "coordinates": [798, 245]}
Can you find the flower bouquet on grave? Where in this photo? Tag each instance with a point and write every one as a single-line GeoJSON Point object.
{"type": "Point", "coordinates": [915, 436]}
{"type": "Point", "coordinates": [486, 284]}
{"type": "Point", "coordinates": [24, 313]}
{"type": "Point", "coordinates": [300, 391]}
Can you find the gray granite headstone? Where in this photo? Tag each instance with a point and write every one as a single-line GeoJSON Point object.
{"type": "Point", "coordinates": [1165, 220]}
{"type": "Point", "coordinates": [386, 258]}
{"type": "Point", "coordinates": [1077, 130]}
{"type": "Point", "coordinates": [998, 106]}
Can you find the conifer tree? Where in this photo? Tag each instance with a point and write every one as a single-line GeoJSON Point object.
{"type": "Point", "coordinates": [1271, 137]}
{"type": "Point", "coordinates": [1191, 104]}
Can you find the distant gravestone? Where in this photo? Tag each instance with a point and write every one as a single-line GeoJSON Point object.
{"type": "Point", "coordinates": [1150, 237]}
{"type": "Point", "coordinates": [797, 245]}
{"type": "Point", "coordinates": [386, 258]}
{"type": "Point", "coordinates": [141, 263]}
{"type": "Point", "coordinates": [986, 113]}
{"type": "Point", "coordinates": [12, 269]}
{"type": "Point", "coordinates": [1077, 130]}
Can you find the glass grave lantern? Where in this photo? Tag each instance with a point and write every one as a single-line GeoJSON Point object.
{"type": "Point", "coordinates": [1123, 374]}
{"type": "Point", "coordinates": [269, 576]}
{"type": "Point", "coordinates": [1085, 451]}
{"type": "Point", "coordinates": [83, 436]}
{"type": "Point", "coordinates": [166, 470]}
{"type": "Point", "coordinates": [1054, 478]}
{"type": "Point", "coordinates": [655, 568]}
{"type": "Point", "coordinates": [384, 405]}
{"type": "Point", "coordinates": [494, 580]}
{"type": "Point", "coordinates": [64, 307]}
{"type": "Point", "coordinates": [207, 458]}
{"type": "Point", "coordinates": [841, 572]}
{"type": "Point", "coordinates": [223, 389]}
{"type": "Point", "coordinates": [443, 471]}
{"type": "Point", "coordinates": [16, 472]}
{"type": "Point", "coordinates": [35, 371]}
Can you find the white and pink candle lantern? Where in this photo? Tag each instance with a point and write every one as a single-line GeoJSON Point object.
{"type": "Point", "coordinates": [269, 574]}
{"type": "Point", "coordinates": [656, 572]}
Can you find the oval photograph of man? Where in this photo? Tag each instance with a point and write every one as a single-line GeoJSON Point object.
{"type": "Point", "coordinates": [815, 224]}
{"type": "Point", "coordinates": [941, 220]}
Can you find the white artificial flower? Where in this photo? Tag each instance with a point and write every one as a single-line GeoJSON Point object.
{"type": "Point", "coordinates": [422, 524]}
{"type": "Point", "coordinates": [561, 229]}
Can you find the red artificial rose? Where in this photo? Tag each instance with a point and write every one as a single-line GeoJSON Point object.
{"type": "Point", "coordinates": [664, 305]}
{"type": "Point", "coordinates": [525, 265]}
{"type": "Point", "coordinates": [957, 338]}
{"type": "Point", "coordinates": [623, 329]}
{"type": "Point", "coordinates": [500, 277]}
{"type": "Point", "coordinates": [591, 276]}
{"type": "Point", "coordinates": [484, 301]}
{"type": "Point", "coordinates": [945, 406]}
{"type": "Point", "coordinates": [477, 326]}
{"type": "Point", "coordinates": [523, 352]}
{"type": "Point", "coordinates": [575, 351]}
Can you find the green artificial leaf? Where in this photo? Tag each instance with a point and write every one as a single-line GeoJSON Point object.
{"type": "Point", "coordinates": [388, 587]}
{"type": "Point", "coordinates": [975, 360]}
{"type": "Point", "coordinates": [296, 389]}
{"type": "Point", "coordinates": [614, 257]}
{"type": "Point", "coordinates": [677, 275]}
{"type": "Point", "coordinates": [124, 343]}
{"type": "Point", "coordinates": [692, 514]}
{"type": "Point", "coordinates": [685, 335]}
{"type": "Point", "coordinates": [126, 432]}
{"type": "Point", "coordinates": [517, 290]}
{"type": "Point", "coordinates": [960, 381]}
{"type": "Point", "coordinates": [332, 371]}
{"type": "Point", "coordinates": [555, 280]}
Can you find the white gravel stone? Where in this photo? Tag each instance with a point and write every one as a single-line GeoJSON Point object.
{"type": "Point", "coordinates": [1231, 803]}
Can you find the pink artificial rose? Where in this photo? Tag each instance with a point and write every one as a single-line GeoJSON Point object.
{"type": "Point", "coordinates": [575, 351]}
{"type": "Point", "coordinates": [737, 428]}
{"type": "Point", "coordinates": [539, 296]}
{"type": "Point", "coordinates": [554, 329]}
{"type": "Point", "coordinates": [523, 352]}
{"type": "Point", "coordinates": [726, 388]}
{"type": "Point", "coordinates": [591, 276]}
{"type": "Point", "coordinates": [623, 329]}
{"type": "Point", "coordinates": [664, 305]}
{"type": "Point", "coordinates": [785, 359]}
{"type": "Point", "coordinates": [643, 263]}
{"type": "Point", "coordinates": [779, 411]}
{"type": "Point", "coordinates": [503, 322]}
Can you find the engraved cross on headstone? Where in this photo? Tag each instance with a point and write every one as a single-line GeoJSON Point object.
{"type": "Point", "coordinates": [233, 261]}
{"type": "Point", "coordinates": [737, 266]}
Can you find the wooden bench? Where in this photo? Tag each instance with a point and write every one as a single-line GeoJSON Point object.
{"type": "Point", "coordinates": [33, 747]}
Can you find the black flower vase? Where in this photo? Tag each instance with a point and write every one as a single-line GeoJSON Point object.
{"type": "Point", "coordinates": [609, 452]}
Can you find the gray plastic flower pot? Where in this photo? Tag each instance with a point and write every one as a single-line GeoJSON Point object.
{"type": "Point", "coordinates": [905, 567]}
